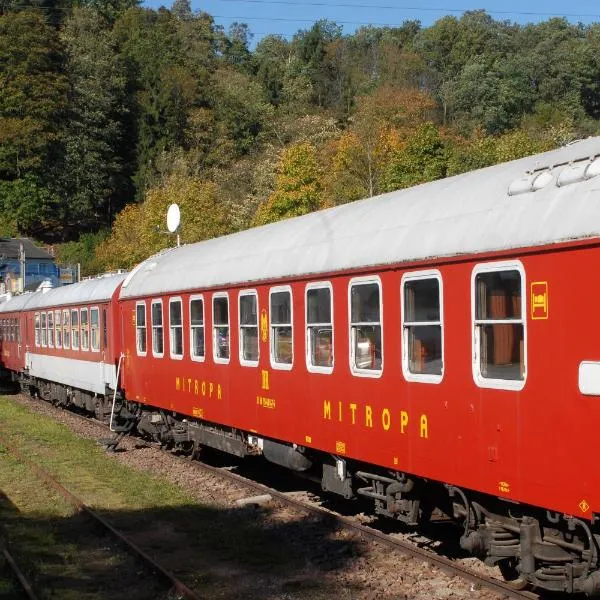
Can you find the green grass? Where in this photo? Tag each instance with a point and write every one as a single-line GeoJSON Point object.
{"type": "Point", "coordinates": [220, 552]}
{"type": "Point", "coordinates": [82, 466]}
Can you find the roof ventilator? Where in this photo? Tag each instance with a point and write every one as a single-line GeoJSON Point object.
{"type": "Point", "coordinates": [579, 171]}
{"type": "Point", "coordinates": [532, 182]}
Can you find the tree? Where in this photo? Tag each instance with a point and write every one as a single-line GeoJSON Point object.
{"type": "Point", "coordinates": [138, 231]}
{"type": "Point", "coordinates": [32, 96]}
{"type": "Point", "coordinates": [298, 188]}
{"type": "Point", "coordinates": [94, 180]}
{"type": "Point", "coordinates": [362, 155]}
{"type": "Point", "coordinates": [422, 159]}
{"type": "Point", "coordinates": [241, 107]}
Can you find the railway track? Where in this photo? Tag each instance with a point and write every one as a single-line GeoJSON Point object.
{"type": "Point", "coordinates": [182, 590]}
{"type": "Point", "coordinates": [408, 548]}
{"type": "Point", "coordinates": [14, 567]}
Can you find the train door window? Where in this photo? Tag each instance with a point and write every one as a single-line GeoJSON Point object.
{"type": "Point", "coordinates": [75, 329]}
{"type": "Point", "coordinates": [197, 350]}
{"type": "Point", "coordinates": [38, 337]}
{"type": "Point", "coordinates": [158, 340]}
{"type": "Point", "coordinates": [85, 329]}
{"type": "Point", "coordinates": [366, 338]}
{"type": "Point", "coordinates": [499, 336]}
{"type": "Point", "coordinates": [95, 329]}
{"type": "Point", "coordinates": [50, 329]}
{"type": "Point", "coordinates": [282, 334]}
{"type": "Point", "coordinates": [66, 320]}
{"type": "Point", "coordinates": [248, 315]}
{"type": "Point", "coordinates": [58, 325]}
{"type": "Point", "coordinates": [140, 329]}
{"type": "Point", "coordinates": [104, 330]}
{"type": "Point", "coordinates": [175, 328]}
{"type": "Point", "coordinates": [319, 328]}
{"type": "Point", "coordinates": [221, 328]}
{"type": "Point", "coordinates": [422, 331]}
{"type": "Point", "coordinates": [43, 329]}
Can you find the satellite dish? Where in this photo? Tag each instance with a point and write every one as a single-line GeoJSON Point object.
{"type": "Point", "coordinates": [173, 218]}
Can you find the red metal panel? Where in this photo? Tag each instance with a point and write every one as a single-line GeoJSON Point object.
{"type": "Point", "coordinates": [523, 445]}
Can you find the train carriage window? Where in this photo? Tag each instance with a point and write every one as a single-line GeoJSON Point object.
{"type": "Point", "coordinates": [95, 329]}
{"type": "Point", "coordinates": [104, 330]}
{"type": "Point", "coordinates": [85, 329]}
{"type": "Point", "coordinates": [319, 328]}
{"type": "Point", "coordinates": [38, 337]}
{"type": "Point", "coordinates": [422, 334]}
{"type": "Point", "coordinates": [58, 325]}
{"type": "Point", "coordinates": [282, 334]}
{"type": "Point", "coordinates": [18, 330]}
{"type": "Point", "coordinates": [43, 329]}
{"type": "Point", "coordinates": [140, 329]}
{"type": "Point", "coordinates": [175, 328]}
{"type": "Point", "coordinates": [158, 345]}
{"type": "Point", "coordinates": [248, 321]}
{"type": "Point", "coordinates": [221, 328]}
{"type": "Point", "coordinates": [66, 329]}
{"type": "Point", "coordinates": [75, 329]}
{"type": "Point", "coordinates": [499, 325]}
{"type": "Point", "coordinates": [50, 329]}
{"type": "Point", "coordinates": [366, 340]}
{"type": "Point", "coordinates": [197, 350]}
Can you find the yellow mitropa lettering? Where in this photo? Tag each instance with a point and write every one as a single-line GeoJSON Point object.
{"type": "Point", "coordinates": [385, 419]}
{"type": "Point", "coordinates": [199, 387]}
{"type": "Point", "coordinates": [265, 402]}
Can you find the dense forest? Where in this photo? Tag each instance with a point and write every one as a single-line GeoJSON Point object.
{"type": "Point", "coordinates": [110, 111]}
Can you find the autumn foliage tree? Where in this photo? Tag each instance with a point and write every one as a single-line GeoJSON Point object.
{"type": "Point", "coordinates": [298, 186]}
{"type": "Point", "coordinates": [139, 229]}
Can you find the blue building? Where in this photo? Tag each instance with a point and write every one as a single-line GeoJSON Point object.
{"type": "Point", "coordinates": [39, 265]}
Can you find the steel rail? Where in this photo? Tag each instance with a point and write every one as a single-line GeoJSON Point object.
{"type": "Point", "coordinates": [84, 508]}
{"type": "Point", "coordinates": [18, 573]}
{"type": "Point", "coordinates": [502, 588]}
{"type": "Point", "coordinates": [445, 564]}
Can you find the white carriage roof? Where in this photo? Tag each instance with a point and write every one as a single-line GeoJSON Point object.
{"type": "Point", "coordinates": [459, 215]}
{"type": "Point", "coordinates": [88, 291]}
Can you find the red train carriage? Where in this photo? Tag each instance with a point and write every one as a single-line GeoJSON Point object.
{"type": "Point", "coordinates": [12, 330]}
{"type": "Point", "coordinates": [67, 343]}
{"type": "Point", "coordinates": [426, 348]}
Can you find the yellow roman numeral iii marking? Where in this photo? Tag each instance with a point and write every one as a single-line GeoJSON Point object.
{"type": "Point", "coordinates": [265, 380]}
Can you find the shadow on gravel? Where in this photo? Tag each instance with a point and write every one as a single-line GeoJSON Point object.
{"type": "Point", "coordinates": [220, 553]}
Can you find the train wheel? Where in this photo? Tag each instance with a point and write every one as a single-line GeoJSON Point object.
{"type": "Point", "coordinates": [510, 573]}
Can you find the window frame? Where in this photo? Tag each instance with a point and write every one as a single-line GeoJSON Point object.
{"type": "Point", "coordinates": [318, 285]}
{"type": "Point", "coordinates": [478, 378]}
{"type": "Point", "coordinates": [162, 326]}
{"type": "Point", "coordinates": [406, 372]}
{"type": "Point", "coordinates": [174, 356]}
{"type": "Point", "coordinates": [37, 330]}
{"type": "Point", "coordinates": [43, 329]}
{"type": "Point", "coordinates": [219, 361]}
{"type": "Point", "coordinates": [75, 329]}
{"type": "Point", "coordinates": [356, 371]}
{"type": "Point", "coordinates": [243, 361]}
{"type": "Point", "coordinates": [274, 364]}
{"type": "Point", "coordinates": [66, 327]}
{"type": "Point", "coordinates": [196, 357]}
{"type": "Point", "coordinates": [81, 329]}
{"type": "Point", "coordinates": [58, 328]}
{"type": "Point", "coordinates": [50, 326]}
{"type": "Point", "coordinates": [92, 349]}
{"type": "Point", "coordinates": [137, 326]}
